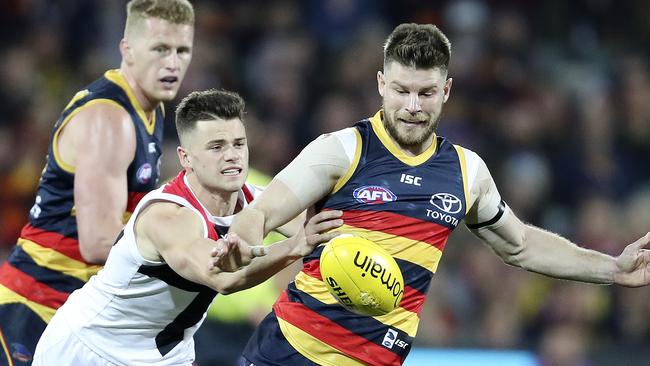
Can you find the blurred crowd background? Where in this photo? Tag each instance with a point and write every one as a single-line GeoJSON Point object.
{"type": "Point", "coordinates": [554, 95]}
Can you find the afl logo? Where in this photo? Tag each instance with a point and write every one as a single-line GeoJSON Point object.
{"type": "Point", "coordinates": [373, 195]}
{"type": "Point", "coordinates": [446, 202]}
{"type": "Point", "coordinates": [144, 173]}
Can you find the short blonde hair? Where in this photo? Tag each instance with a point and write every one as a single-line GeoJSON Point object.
{"type": "Point", "coordinates": [173, 11]}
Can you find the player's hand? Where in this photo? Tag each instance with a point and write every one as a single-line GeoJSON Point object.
{"type": "Point", "coordinates": [317, 231]}
{"type": "Point", "coordinates": [634, 264]}
{"type": "Point", "coordinates": [232, 253]}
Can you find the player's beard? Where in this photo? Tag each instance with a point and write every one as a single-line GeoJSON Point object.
{"type": "Point", "coordinates": [415, 136]}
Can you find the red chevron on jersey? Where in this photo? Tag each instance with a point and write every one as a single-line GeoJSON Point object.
{"type": "Point", "coordinates": [354, 345]}
{"type": "Point", "coordinates": [400, 225]}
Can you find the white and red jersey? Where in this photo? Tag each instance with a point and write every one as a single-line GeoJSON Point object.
{"type": "Point", "coordinates": [136, 311]}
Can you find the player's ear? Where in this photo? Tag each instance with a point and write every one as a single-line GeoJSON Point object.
{"type": "Point", "coordinates": [447, 89]}
{"type": "Point", "coordinates": [126, 51]}
{"type": "Point", "coordinates": [183, 157]}
{"type": "Point", "coordinates": [381, 82]}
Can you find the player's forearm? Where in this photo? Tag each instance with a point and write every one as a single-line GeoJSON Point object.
{"type": "Point", "coordinates": [97, 234]}
{"type": "Point", "coordinates": [550, 254]}
{"type": "Point", "coordinates": [279, 256]}
{"type": "Point", "coordinates": [249, 225]}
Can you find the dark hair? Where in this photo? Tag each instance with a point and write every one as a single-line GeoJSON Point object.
{"type": "Point", "coordinates": [207, 105]}
{"type": "Point", "coordinates": [422, 46]}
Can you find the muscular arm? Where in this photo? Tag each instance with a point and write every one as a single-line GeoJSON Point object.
{"type": "Point", "coordinates": [292, 227]}
{"type": "Point", "coordinates": [177, 235]}
{"type": "Point", "coordinates": [100, 142]}
{"type": "Point", "coordinates": [537, 250]}
{"type": "Point", "coordinates": [540, 251]}
{"type": "Point", "coordinates": [308, 178]}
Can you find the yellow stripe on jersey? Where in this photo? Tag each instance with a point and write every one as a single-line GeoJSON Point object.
{"type": "Point", "coordinates": [5, 349]}
{"type": "Point", "coordinates": [406, 321]}
{"type": "Point", "coordinates": [117, 78]}
{"type": "Point", "coordinates": [463, 169]}
{"type": "Point", "coordinates": [423, 254]}
{"type": "Point", "coordinates": [44, 312]}
{"type": "Point", "coordinates": [314, 349]}
{"type": "Point", "coordinates": [353, 166]}
{"type": "Point", "coordinates": [51, 259]}
{"type": "Point", "coordinates": [314, 287]}
{"type": "Point", "coordinates": [55, 140]}
{"type": "Point", "coordinates": [387, 141]}
{"type": "Point", "coordinates": [402, 319]}
{"type": "Point", "coordinates": [79, 95]}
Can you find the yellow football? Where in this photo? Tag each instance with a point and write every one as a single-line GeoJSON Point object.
{"type": "Point", "coordinates": [361, 275]}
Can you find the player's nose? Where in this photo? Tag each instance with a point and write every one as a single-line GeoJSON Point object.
{"type": "Point", "coordinates": [414, 106]}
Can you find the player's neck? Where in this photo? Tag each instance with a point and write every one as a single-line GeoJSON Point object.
{"type": "Point", "coordinates": [217, 203]}
{"type": "Point", "coordinates": [147, 104]}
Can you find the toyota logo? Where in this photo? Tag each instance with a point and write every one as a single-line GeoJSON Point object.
{"type": "Point", "coordinates": [446, 202]}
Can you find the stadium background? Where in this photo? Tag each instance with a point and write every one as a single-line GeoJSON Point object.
{"type": "Point", "coordinates": [554, 95]}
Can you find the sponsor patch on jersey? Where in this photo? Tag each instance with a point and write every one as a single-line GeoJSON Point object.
{"type": "Point", "coordinates": [447, 202]}
{"type": "Point", "coordinates": [389, 338]}
{"type": "Point", "coordinates": [144, 173]}
{"type": "Point", "coordinates": [373, 195]}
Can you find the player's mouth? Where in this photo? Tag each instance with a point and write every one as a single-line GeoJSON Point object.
{"type": "Point", "coordinates": [231, 172]}
{"type": "Point", "coordinates": [413, 122]}
{"type": "Point", "coordinates": [169, 81]}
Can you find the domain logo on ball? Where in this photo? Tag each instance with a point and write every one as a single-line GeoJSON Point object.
{"type": "Point", "coordinates": [362, 276]}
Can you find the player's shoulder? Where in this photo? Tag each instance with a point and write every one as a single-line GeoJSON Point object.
{"type": "Point", "coordinates": [163, 210]}
{"type": "Point", "coordinates": [341, 135]}
{"type": "Point", "coordinates": [347, 137]}
{"type": "Point", "coordinates": [103, 118]}
{"type": "Point", "coordinates": [338, 143]}
{"type": "Point", "coordinates": [160, 214]}
{"type": "Point", "coordinates": [470, 156]}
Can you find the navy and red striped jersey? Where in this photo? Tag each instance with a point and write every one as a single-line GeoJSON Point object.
{"type": "Point", "coordinates": [46, 265]}
{"type": "Point", "coordinates": [407, 205]}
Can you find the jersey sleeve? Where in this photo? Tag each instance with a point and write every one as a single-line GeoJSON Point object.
{"type": "Point", "coordinates": [487, 206]}
{"type": "Point", "coordinates": [314, 172]}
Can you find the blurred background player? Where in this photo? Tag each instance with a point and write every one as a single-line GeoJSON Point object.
{"type": "Point", "coordinates": [144, 306]}
{"type": "Point", "coordinates": [104, 155]}
{"type": "Point", "coordinates": [426, 186]}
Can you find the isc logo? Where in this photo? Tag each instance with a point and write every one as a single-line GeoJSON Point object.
{"type": "Point", "coordinates": [411, 179]}
{"type": "Point", "coordinates": [373, 195]}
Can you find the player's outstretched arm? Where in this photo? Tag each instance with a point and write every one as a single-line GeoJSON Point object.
{"type": "Point", "coordinates": [177, 235]}
{"type": "Point", "coordinates": [308, 178]}
{"type": "Point", "coordinates": [100, 143]}
{"type": "Point", "coordinates": [541, 251]}
{"type": "Point", "coordinates": [270, 260]}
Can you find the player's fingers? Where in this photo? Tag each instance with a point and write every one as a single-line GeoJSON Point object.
{"type": "Point", "coordinates": [220, 249]}
{"type": "Point", "coordinates": [324, 238]}
{"type": "Point", "coordinates": [323, 226]}
{"type": "Point", "coordinates": [641, 243]}
{"type": "Point", "coordinates": [258, 251]}
{"type": "Point", "coordinates": [232, 240]}
{"type": "Point", "coordinates": [326, 215]}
